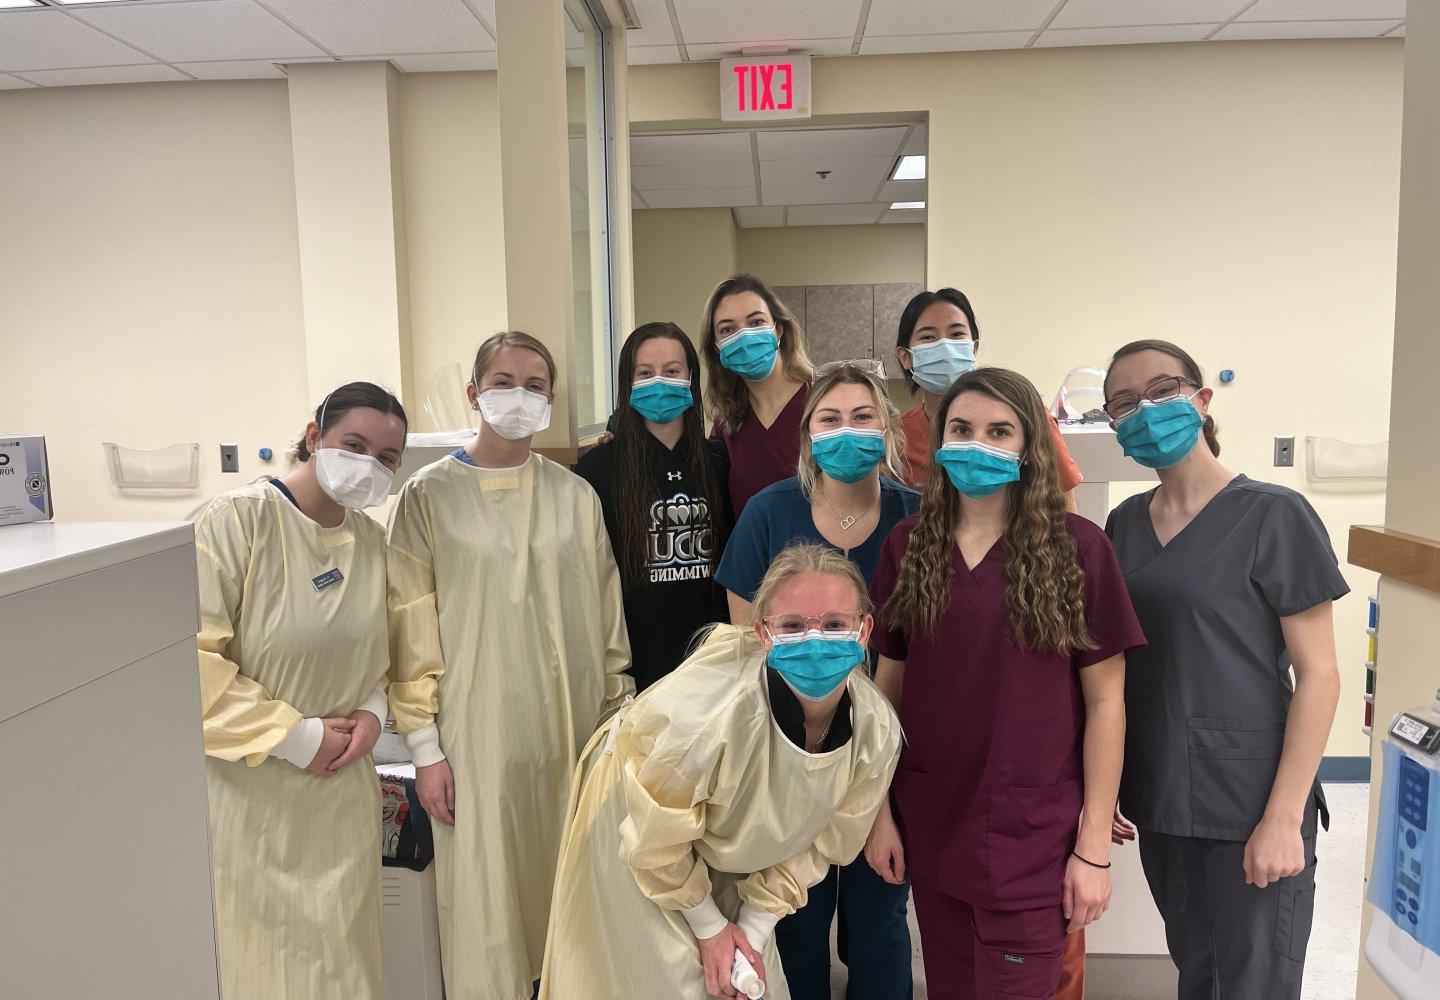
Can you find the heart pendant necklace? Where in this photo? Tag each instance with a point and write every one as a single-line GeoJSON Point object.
{"type": "Point", "coordinates": [847, 521]}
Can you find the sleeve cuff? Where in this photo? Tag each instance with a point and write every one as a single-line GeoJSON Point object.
{"type": "Point", "coordinates": [705, 920]}
{"type": "Point", "coordinates": [757, 925]}
{"type": "Point", "coordinates": [424, 746]}
{"type": "Point", "coordinates": [377, 704]}
{"type": "Point", "coordinates": [301, 744]}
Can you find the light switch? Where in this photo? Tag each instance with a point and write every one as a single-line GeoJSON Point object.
{"type": "Point", "coordinates": [1284, 452]}
{"type": "Point", "coordinates": [229, 458]}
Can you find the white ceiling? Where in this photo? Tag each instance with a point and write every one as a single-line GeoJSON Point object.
{"type": "Point", "coordinates": [154, 40]}
{"type": "Point", "coordinates": [770, 177]}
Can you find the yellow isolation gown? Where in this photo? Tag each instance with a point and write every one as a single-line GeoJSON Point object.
{"type": "Point", "coordinates": [295, 857]}
{"type": "Point", "coordinates": [508, 638]}
{"type": "Point", "coordinates": [692, 790]}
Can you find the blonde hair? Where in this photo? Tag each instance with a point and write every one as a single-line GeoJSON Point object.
{"type": "Point", "coordinates": [1044, 584]}
{"type": "Point", "coordinates": [726, 391]}
{"type": "Point", "coordinates": [491, 346]}
{"type": "Point", "coordinates": [807, 470]}
{"type": "Point", "coordinates": [808, 557]}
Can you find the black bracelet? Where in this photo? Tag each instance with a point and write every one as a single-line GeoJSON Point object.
{"type": "Point", "coordinates": [1088, 861]}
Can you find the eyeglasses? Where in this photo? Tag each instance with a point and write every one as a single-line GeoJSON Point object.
{"type": "Point", "coordinates": [1160, 391]}
{"type": "Point", "coordinates": [830, 621]}
{"type": "Point", "coordinates": [870, 366]}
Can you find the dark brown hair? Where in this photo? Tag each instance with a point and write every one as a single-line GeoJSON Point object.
{"type": "Point", "coordinates": [910, 318]}
{"type": "Point", "coordinates": [1188, 368]}
{"type": "Point", "coordinates": [351, 396]}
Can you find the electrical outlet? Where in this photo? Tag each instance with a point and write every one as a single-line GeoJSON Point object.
{"type": "Point", "coordinates": [1284, 452]}
{"type": "Point", "coordinates": [229, 458]}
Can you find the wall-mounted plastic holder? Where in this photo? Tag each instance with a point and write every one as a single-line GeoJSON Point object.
{"type": "Point", "coordinates": [1330, 460]}
{"type": "Point", "coordinates": [176, 467]}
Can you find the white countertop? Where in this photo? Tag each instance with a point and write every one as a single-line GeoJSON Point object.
{"type": "Point", "coordinates": [40, 553]}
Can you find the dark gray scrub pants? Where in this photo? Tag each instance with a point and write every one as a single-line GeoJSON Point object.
{"type": "Point", "coordinates": [1230, 940]}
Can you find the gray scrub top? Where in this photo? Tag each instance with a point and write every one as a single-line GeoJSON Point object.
{"type": "Point", "coordinates": [1206, 700]}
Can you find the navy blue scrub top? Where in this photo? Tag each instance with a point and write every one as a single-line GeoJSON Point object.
{"type": "Point", "coordinates": [780, 514]}
{"type": "Point", "coordinates": [1206, 700]}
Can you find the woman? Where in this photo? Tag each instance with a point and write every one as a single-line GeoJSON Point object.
{"type": "Point", "coordinates": [508, 643]}
{"type": "Point", "coordinates": [662, 489]}
{"type": "Point", "coordinates": [938, 342]}
{"type": "Point", "coordinates": [292, 652]}
{"type": "Point", "coordinates": [758, 373]}
{"type": "Point", "coordinates": [707, 808]}
{"type": "Point", "coordinates": [839, 499]}
{"type": "Point", "coordinates": [1002, 636]}
{"type": "Point", "coordinates": [1233, 581]}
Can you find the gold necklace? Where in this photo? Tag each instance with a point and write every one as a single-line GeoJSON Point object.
{"type": "Point", "coordinates": [847, 521]}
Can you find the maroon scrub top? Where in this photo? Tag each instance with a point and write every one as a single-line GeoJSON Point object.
{"type": "Point", "coordinates": [761, 456]}
{"type": "Point", "coordinates": [990, 783]}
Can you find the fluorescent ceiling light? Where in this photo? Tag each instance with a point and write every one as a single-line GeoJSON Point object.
{"type": "Point", "coordinates": [9, 4]}
{"type": "Point", "coordinates": [69, 3]}
{"type": "Point", "coordinates": [909, 168]}
{"type": "Point", "coordinates": [894, 205]}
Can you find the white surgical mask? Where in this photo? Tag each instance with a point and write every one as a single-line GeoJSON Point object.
{"type": "Point", "coordinates": [351, 480]}
{"type": "Point", "coordinates": [514, 413]}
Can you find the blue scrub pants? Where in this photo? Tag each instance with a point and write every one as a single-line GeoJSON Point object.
{"type": "Point", "coordinates": [875, 937]}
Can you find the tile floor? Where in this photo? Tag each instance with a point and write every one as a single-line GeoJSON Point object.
{"type": "Point", "coordinates": [1334, 941]}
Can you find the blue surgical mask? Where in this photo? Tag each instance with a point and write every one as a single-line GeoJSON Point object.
{"type": "Point", "coordinates": [1159, 435]}
{"type": "Point", "coordinates": [938, 364]}
{"type": "Point", "coordinates": [978, 469]}
{"type": "Point", "coordinates": [815, 663]}
{"type": "Point", "coordinates": [660, 399]}
{"type": "Point", "coordinates": [750, 353]}
{"type": "Point", "coordinates": [848, 453]}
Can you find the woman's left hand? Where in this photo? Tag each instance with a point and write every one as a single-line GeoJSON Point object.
{"type": "Point", "coordinates": [362, 739]}
{"type": "Point", "coordinates": [1085, 895]}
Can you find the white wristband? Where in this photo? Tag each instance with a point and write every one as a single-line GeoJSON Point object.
{"type": "Point", "coordinates": [757, 925]}
{"type": "Point", "coordinates": [705, 919]}
{"type": "Point", "coordinates": [377, 705]}
{"type": "Point", "coordinates": [301, 744]}
{"type": "Point", "coordinates": [424, 745]}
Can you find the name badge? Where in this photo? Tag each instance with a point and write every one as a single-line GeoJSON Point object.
{"type": "Point", "coordinates": [327, 579]}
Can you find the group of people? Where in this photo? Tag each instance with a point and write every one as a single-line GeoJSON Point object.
{"type": "Point", "coordinates": [673, 712]}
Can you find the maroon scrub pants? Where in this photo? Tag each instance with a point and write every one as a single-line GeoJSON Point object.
{"type": "Point", "coordinates": [977, 954]}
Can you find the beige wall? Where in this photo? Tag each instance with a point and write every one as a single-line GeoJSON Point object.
{"type": "Point", "coordinates": [150, 281]}
{"type": "Point", "coordinates": [681, 254]}
{"type": "Point", "coordinates": [835, 255]}
{"type": "Point", "coordinates": [1085, 197]}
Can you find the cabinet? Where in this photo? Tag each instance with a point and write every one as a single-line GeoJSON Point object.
{"type": "Point", "coordinates": [106, 869]}
{"type": "Point", "coordinates": [844, 322]}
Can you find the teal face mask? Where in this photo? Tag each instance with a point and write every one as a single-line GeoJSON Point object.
{"type": "Point", "coordinates": [659, 399]}
{"type": "Point", "coordinates": [815, 663]}
{"type": "Point", "coordinates": [750, 353]}
{"type": "Point", "coordinates": [1159, 435]}
{"type": "Point", "coordinates": [938, 364]}
{"type": "Point", "coordinates": [848, 453]}
{"type": "Point", "coordinates": [978, 469]}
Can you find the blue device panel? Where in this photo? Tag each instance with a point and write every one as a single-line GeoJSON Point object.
{"type": "Point", "coordinates": [1413, 801]}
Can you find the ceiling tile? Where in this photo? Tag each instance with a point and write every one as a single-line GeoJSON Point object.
{"type": "Point", "coordinates": [766, 20]}
{"type": "Point", "coordinates": [8, 82]}
{"type": "Point", "coordinates": [816, 193]}
{"type": "Point", "coordinates": [808, 144]}
{"type": "Point", "coordinates": [705, 51]}
{"type": "Point", "coordinates": [248, 69]}
{"type": "Point", "coordinates": [833, 215]}
{"type": "Point", "coordinates": [195, 32]}
{"type": "Point", "coordinates": [655, 27]}
{"type": "Point", "coordinates": [929, 17]}
{"type": "Point", "coordinates": [1118, 13]}
{"type": "Point", "coordinates": [151, 73]}
{"type": "Point", "coordinates": [382, 27]}
{"type": "Point", "coordinates": [760, 217]}
{"type": "Point", "coordinates": [444, 62]}
{"type": "Point", "coordinates": [702, 197]}
{"type": "Point", "coordinates": [972, 42]}
{"type": "Point", "coordinates": [902, 191]}
{"type": "Point", "coordinates": [910, 215]}
{"type": "Point", "coordinates": [52, 39]}
{"type": "Point", "coordinates": [1302, 29]}
{"type": "Point", "coordinates": [654, 177]}
{"type": "Point", "coordinates": [689, 147]}
{"type": "Point", "coordinates": [646, 55]}
{"type": "Point", "coordinates": [870, 170]}
{"type": "Point", "coordinates": [1324, 10]}
{"type": "Point", "coordinates": [1124, 36]}
{"type": "Point", "coordinates": [916, 144]}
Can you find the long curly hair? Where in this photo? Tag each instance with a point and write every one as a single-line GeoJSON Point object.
{"type": "Point", "coordinates": [729, 397]}
{"type": "Point", "coordinates": [635, 489]}
{"type": "Point", "coordinates": [1044, 585]}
